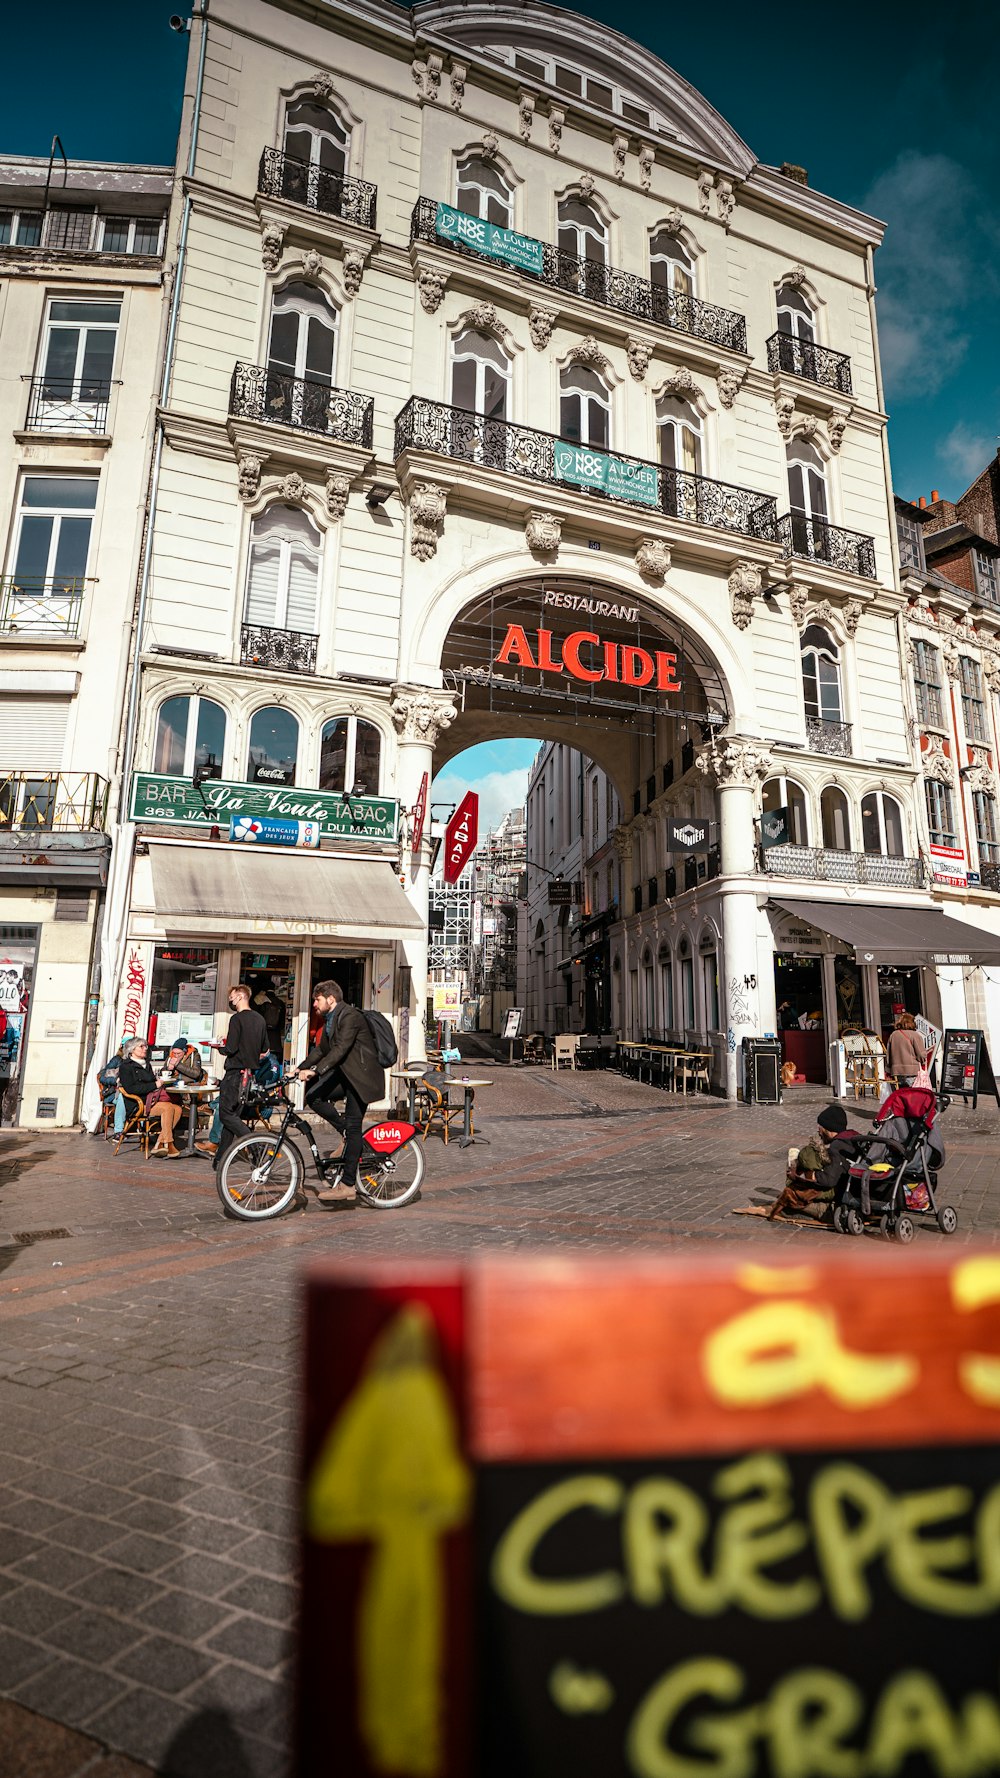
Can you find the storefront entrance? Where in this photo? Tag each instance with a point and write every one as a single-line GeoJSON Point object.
{"type": "Point", "coordinates": [18, 956]}
{"type": "Point", "coordinates": [350, 972]}
{"type": "Point", "coordinates": [899, 990]}
{"type": "Point", "coordinates": [798, 994]}
{"type": "Point", "coordinates": [271, 977]}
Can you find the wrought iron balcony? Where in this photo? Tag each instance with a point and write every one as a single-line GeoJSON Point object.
{"type": "Point", "coordinates": [607, 285]}
{"type": "Point", "coordinates": [278, 651]}
{"type": "Point", "coordinates": [815, 364]}
{"type": "Point", "coordinates": [824, 736]}
{"type": "Point", "coordinates": [424, 425]}
{"type": "Point", "coordinates": [258, 393]}
{"type": "Point", "coordinates": [71, 801]}
{"type": "Point", "coordinates": [816, 541]}
{"type": "Point", "coordinates": [843, 867]}
{"type": "Point", "coordinates": [32, 606]}
{"type": "Point", "coordinates": [68, 404]}
{"type": "Point", "coordinates": [332, 194]}
{"type": "Point", "coordinates": [989, 877]}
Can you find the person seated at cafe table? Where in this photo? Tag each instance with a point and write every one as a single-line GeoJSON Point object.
{"type": "Point", "coordinates": [137, 1078]}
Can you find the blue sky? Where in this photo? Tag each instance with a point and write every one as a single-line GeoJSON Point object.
{"type": "Point", "coordinates": [890, 106]}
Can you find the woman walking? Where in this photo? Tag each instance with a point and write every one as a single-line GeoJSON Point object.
{"type": "Point", "coordinates": [907, 1051]}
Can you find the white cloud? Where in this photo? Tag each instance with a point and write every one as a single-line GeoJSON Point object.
{"type": "Point", "coordinates": [498, 792]}
{"type": "Point", "coordinates": [930, 270]}
{"type": "Point", "coordinates": [966, 451]}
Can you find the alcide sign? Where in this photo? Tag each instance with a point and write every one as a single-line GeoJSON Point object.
{"type": "Point", "coordinates": [585, 656]}
{"type": "Point", "coordinates": [176, 802]}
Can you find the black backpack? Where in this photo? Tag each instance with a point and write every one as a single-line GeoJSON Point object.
{"type": "Point", "coordinates": [383, 1038]}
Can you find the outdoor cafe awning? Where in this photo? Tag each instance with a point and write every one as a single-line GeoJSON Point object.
{"type": "Point", "coordinates": [897, 934]}
{"type": "Point", "coordinates": [236, 884]}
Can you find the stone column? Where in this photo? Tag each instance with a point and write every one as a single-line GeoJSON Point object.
{"type": "Point", "coordinates": [738, 767]}
{"type": "Point", "coordinates": [419, 717]}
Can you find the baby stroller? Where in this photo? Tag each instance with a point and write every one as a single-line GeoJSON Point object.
{"type": "Point", "coordinates": [895, 1174]}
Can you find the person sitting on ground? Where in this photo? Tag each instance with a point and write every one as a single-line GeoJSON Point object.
{"type": "Point", "coordinates": [818, 1172]}
{"type": "Point", "coordinates": [136, 1078]}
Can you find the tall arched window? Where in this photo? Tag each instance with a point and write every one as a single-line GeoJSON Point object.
{"type": "Point", "coordinates": [302, 344]}
{"type": "Point", "coordinates": [584, 407]}
{"type": "Point", "coordinates": [283, 572]}
{"type": "Point", "coordinates": [480, 373]}
{"type": "Point", "coordinates": [670, 266]}
{"type": "Point", "coordinates": [349, 756]}
{"type": "Point", "coordinates": [582, 234]}
{"type": "Point", "coordinates": [783, 793]}
{"type": "Point", "coordinates": [273, 752]}
{"type": "Point", "coordinates": [882, 824]}
{"type": "Point", "coordinates": [821, 678]}
{"type": "Point", "coordinates": [483, 193]}
{"type": "Point", "coordinates": [794, 314]}
{"type": "Point", "coordinates": [318, 142]}
{"type": "Point", "coordinates": [666, 988]}
{"type": "Point", "coordinates": [806, 496]}
{"type": "Point", "coordinates": [679, 429]}
{"type": "Point", "coordinates": [836, 820]}
{"type": "Point", "coordinates": [190, 732]}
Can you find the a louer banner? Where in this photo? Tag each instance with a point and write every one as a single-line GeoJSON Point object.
{"type": "Point", "coordinates": [588, 468]}
{"type": "Point", "coordinates": [487, 237]}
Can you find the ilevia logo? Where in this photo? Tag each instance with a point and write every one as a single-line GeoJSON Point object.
{"type": "Point", "coordinates": [385, 1138]}
{"type": "Point", "coordinates": [690, 835]}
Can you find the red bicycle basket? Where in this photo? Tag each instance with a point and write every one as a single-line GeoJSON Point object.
{"type": "Point", "coordinates": [386, 1138]}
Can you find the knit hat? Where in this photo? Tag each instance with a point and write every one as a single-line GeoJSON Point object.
{"type": "Point", "coordinates": [833, 1118]}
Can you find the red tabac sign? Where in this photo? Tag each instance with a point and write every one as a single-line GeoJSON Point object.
{"type": "Point", "coordinates": [419, 816]}
{"type": "Point", "coordinates": [586, 656]}
{"type": "Point", "coordinates": [461, 836]}
{"type": "Point", "coordinates": [761, 1540]}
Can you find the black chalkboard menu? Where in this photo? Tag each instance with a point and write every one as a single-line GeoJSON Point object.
{"type": "Point", "coordinates": [965, 1066]}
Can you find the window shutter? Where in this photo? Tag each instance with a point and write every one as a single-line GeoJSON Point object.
{"type": "Point", "coordinates": [32, 733]}
{"type": "Point", "coordinates": [262, 585]}
{"type": "Point", "coordinates": [303, 576]}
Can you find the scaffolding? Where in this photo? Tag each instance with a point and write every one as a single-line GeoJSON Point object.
{"type": "Point", "coordinates": [499, 885]}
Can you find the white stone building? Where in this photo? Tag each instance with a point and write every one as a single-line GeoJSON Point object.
{"type": "Point", "coordinates": [81, 335]}
{"type": "Point", "coordinates": [507, 393]}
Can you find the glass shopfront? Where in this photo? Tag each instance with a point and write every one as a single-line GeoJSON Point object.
{"type": "Point", "coordinates": [899, 990]}
{"type": "Point", "coordinates": [182, 996]}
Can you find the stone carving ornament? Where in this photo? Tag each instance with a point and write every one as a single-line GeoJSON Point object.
{"type": "Point", "coordinates": [338, 488]}
{"type": "Point", "coordinates": [647, 155]}
{"type": "Point", "coordinates": [624, 840]}
{"type": "Point", "coordinates": [734, 760]}
{"type": "Point", "coordinates": [542, 532]}
{"type": "Point", "coordinates": [431, 286]}
{"type": "Point", "coordinates": [272, 236]}
{"type": "Point", "coordinates": [638, 352]}
{"type": "Point", "coordinates": [557, 117]}
{"type": "Point", "coordinates": [652, 558]}
{"type": "Point", "coordinates": [798, 605]}
{"type": "Point", "coordinates": [705, 183]}
{"type": "Point", "coordinates": [808, 428]}
{"type": "Point", "coordinates": [796, 277]}
{"type": "Point", "coordinates": [725, 199]}
{"type": "Point", "coordinates": [312, 264]}
{"type": "Point", "coordinates": [852, 616]}
{"type": "Point", "coordinates": [673, 222]}
{"type": "Point", "coordinates": [680, 382]}
{"type": "Point", "coordinates": [526, 114]}
{"type": "Point", "coordinates": [619, 149]}
{"type": "Point", "coordinates": [427, 77]}
{"type": "Point", "coordinates": [979, 777]}
{"type": "Point", "coordinates": [587, 351]}
{"type": "Point", "coordinates": [427, 510]}
{"type": "Point", "coordinates": [354, 270]}
{"type": "Point", "coordinates": [784, 407]}
{"type": "Point", "coordinates": [730, 383]}
{"type": "Point", "coordinates": [250, 464]}
{"type": "Point", "coordinates": [991, 671]}
{"type": "Point", "coordinates": [540, 324]}
{"type": "Point", "coordinates": [322, 85]}
{"type": "Point", "coordinates": [491, 145]}
{"type": "Point", "coordinates": [586, 183]}
{"type": "Point", "coordinates": [458, 74]}
{"type": "Point", "coordinates": [483, 318]}
{"type": "Point", "coordinates": [420, 715]}
{"type": "Point", "coordinates": [837, 426]}
{"type": "Point", "coordinates": [934, 762]}
{"type": "Point", "coordinates": [744, 586]}
{"type": "Point", "coordinates": [292, 487]}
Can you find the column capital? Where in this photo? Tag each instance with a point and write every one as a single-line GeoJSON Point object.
{"type": "Point", "coordinates": [419, 714]}
{"type": "Point", "coordinates": [734, 761]}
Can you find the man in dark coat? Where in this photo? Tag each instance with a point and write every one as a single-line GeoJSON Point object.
{"type": "Point", "coordinates": [815, 1181]}
{"type": "Point", "coordinates": [342, 1064]}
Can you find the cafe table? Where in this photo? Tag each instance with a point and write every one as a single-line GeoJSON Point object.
{"type": "Point", "coordinates": [444, 1081]}
{"type": "Point", "coordinates": [194, 1095]}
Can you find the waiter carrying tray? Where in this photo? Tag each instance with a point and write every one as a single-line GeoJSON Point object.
{"type": "Point", "coordinates": [246, 1042]}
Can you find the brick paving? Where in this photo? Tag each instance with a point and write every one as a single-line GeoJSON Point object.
{"type": "Point", "coordinates": [148, 1378]}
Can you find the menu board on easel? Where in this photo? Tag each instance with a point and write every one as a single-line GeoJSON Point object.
{"type": "Point", "coordinates": [965, 1066]}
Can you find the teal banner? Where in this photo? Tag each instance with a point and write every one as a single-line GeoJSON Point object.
{"type": "Point", "coordinates": [486, 237]}
{"type": "Point", "coordinates": [177, 803]}
{"type": "Point", "coordinates": [588, 468]}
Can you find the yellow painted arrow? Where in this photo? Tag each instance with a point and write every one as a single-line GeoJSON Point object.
{"type": "Point", "coordinates": [391, 1471]}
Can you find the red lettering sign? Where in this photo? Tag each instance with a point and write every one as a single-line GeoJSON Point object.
{"type": "Point", "coordinates": [586, 657]}
{"type": "Point", "coordinates": [419, 816]}
{"type": "Point", "coordinates": [461, 836]}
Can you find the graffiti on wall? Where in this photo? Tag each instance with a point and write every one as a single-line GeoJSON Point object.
{"type": "Point", "coordinates": [740, 1010]}
{"type": "Point", "coordinates": [135, 988]}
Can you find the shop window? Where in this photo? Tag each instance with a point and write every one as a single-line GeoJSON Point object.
{"type": "Point", "coordinates": [783, 793]}
{"type": "Point", "coordinates": [274, 746]}
{"type": "Point", "coordinates": [182, 997]}
{"type": "Point", "coordinates": [483, 193]}
{"type": "Point", "coordinates": [882, 824]}
{"type": "Point", "coordinates": [836, 820]}
{"type": "Point", "coordinates": [350, 754]}
{"type": "Point", "coordinates": [940, 813]}
{"type": "Point", "coordinates": [190, 735]}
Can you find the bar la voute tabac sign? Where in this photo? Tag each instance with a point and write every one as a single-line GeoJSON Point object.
{"type": "Point", "coordinates": [658, 1519]}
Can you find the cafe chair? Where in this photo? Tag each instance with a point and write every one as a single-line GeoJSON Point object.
{"type": "Point", "coordinates": [433, 1111]}
{"type": "Point", "coordinates": [534, 1048]}
{"type": "Point", "coordinates": [564, 1052]}
{"type": "Point", "coordinates": [136, 1122]}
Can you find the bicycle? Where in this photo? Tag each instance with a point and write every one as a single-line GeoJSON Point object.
{"type": "Point", "coordinates": [262, 1176]}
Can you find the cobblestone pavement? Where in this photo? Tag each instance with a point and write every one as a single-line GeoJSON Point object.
{"type": "Point", "coordinates": [148, 1378]}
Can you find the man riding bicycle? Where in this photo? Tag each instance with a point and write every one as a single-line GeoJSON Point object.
{"type": "Point", "coordinates": [342, 1064]}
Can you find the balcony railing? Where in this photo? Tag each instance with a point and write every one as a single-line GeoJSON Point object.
{"type": "Point", "coordinates": [279, 651]}
{"type": "Point", "coordinates": [332, 194]}
{"type": "Point", "coordinates": [815, 364]}
{"type": "Point", "coordinates": [68, 404]}
{"type": "Point", "coordinates": [842, 867]}
{"type": "Point", "coordinates": [71, 801]}
{"type": "Point", "coordinates": [607, 285]}
{"type": "Point", "coordinates": [426, 425]}
{"type": "Point", "coordinates": [258, 393]}
{"type": "Point", "coordinates": [32, 606]}
{"type": "Point", "coordinates": [824, 736]}
{"type": "Point", "coordinates": [816, 541]}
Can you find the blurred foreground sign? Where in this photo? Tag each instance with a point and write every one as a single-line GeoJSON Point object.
{"type": "Point", "coordinates": [652, 1518]}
